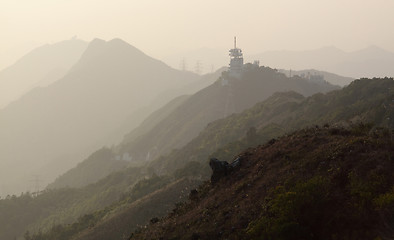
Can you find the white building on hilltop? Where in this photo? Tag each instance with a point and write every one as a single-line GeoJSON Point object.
{"type": "Point", "coordinates": [236, 61]}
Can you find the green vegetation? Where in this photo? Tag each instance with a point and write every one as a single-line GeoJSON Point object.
{"type": "Point", "coordinates": [127, 202]}
{"type": "Point", "coordinates": [124, 192]}
{"type": "Point", "coordinates": [295, 212]}
{"type": "Point", "coordinates": [365, 100]}
{"type": "Point", "coordinates": [61, 206]}
{"type": "Point", "coordinates": [313, 209]}
{"type": "Point", "coordinates": [186, 122]}
{"type": "Point", "coordinates": [316, 183]}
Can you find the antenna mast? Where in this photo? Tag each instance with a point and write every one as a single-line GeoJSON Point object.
{"type": "Point", "coordinates": [235, 42]}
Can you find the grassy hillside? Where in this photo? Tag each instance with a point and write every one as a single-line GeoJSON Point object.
{"type": "Point", "coordinates": [365, 100]}
{"type": "Point", "coordinates": [317, 183]}
{"type": "Point", "coordinates": [212, 103]}
{"type": "Point", "coordinates": [183, 118]}
{"type": "Point", "coordinates": [368, 99]}
{"type": "Point", "coordinates": [156, 204]}
{"type": "Point", "coordinates": [62, 206]}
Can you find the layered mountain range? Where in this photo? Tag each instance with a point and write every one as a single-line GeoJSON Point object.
{"type": "Point", "coordinates": [368, 62]}
{"type": "Point", "coordinates": [371, 61]}
{"type": "Point", "coordinates": [343, 154]}
{"type": "Point", "coordinates": [189, 117]}
{"type": "Point", "coordinates": [91, 106]}
{"type": "Point", "coordinates": [39, 68]}
{"type": "Point", "coordinates": [338, 149]}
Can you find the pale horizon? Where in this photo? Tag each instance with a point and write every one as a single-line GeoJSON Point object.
{"type": "Point", "coordinates": [162, 28]}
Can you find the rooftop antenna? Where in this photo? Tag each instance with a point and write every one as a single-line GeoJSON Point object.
{"type": "Point", "coordinates": [235, 42]}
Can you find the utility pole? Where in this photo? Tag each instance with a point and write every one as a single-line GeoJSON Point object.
{"type": "Point", "coordinates": [183, 65]}
{"type": "Point", "coordinates": [198, 67]}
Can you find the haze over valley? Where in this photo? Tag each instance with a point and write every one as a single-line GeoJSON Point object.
{"type": "Point", "coordinates": [196, 120]}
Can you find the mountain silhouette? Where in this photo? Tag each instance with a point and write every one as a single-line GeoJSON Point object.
{"type": "Point", "coordinates": [50, 129]}
{"type": "Point", "coordinates": [39, 68]}
{"type": "Point", "coordinates": [182, 119]}
{"type": "Point", "coordinates": [124, 200]}
{"type": "Point", "coordinates": [214, 102]}
{"type": "Point", "coordinates": [368, 62]}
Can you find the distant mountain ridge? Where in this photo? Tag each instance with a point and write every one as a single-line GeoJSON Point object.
{"type": "Point", "coordinates": [323, 115]}
{"type": "Point", "coordinates": [364, 100]}
{"type": "Point", "coordinates": [212, 103]}
{"type": "Point", "coordinates": [313, 75]}
{"type": "Point", "coordinates": [368, 62]}
{"type": "Point", "coordinates": [39, 68]}
{"type": "Point", "coordinates": [74, 116]}
{"type": "Point", "coordinates": [368, 100]}
{"type": "Point", "coordinates": [183, 121]}
{"type": "Point", "coordinates": [105, 160]}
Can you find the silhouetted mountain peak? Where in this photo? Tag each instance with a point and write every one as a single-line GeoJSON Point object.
{"type": "Point", "coordinates": [109, 52]}
{"type": "Point", "coordinates": [40, 67]}
{"type": "Point", "coordinates": [96, 42]}
{"type": "Point", "coordinates": [373, 51]}
{"type": "Point", "coordinates": [116, 44]}
{"type": "Point", "coordinates": [119, 42]}
{"type": "Point", "coordinates": [374, 48]}
{"type": "Point", "coordinates": [54, 48]}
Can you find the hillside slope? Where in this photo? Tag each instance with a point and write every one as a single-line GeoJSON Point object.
{"type": "Point", "coordinates": [366, 99]}
{"type": "Point", "coordinates": [39, 213]}
{"type": "Point", "coordinates": [179, 122]}
{"type": "Point", "coordinates": [312, 184]}
{"type": "Point", "coordinates": [157, 204]}
{"type": "Point", "coordinates": [152, 120]}
{"type": "Point", "coordinates": [59, 125]}
{"type": "Point", "coordinates": [99, 165]}
{"type": "Point", "coordinates": [214, 102]}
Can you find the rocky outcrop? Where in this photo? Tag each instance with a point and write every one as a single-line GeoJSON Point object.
{"type": "Point", "coordinates": [222, 168]}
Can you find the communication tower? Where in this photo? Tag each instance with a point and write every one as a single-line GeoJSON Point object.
{"type": "Point", "coordinates": [183, 65]}
{"type": "Point", "coordinates": [198, 68]}
{"type": "Point", "coordinates": [236, 61]}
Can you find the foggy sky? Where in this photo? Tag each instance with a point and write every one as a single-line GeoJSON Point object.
{"type": "Point", "coordinates": [159, 27]}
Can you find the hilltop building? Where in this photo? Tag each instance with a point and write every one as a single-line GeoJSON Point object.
{"type": "Point", "coordinates": [236, 65]}
{"type": "Point", "coordinates": [236, 61]}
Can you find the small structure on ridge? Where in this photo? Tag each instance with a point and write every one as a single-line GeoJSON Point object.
{"type": "Point", "coordinates": [236, 61]}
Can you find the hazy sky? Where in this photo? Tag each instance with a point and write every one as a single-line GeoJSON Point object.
{"type": "Point", "coordinates": [160, 26]}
